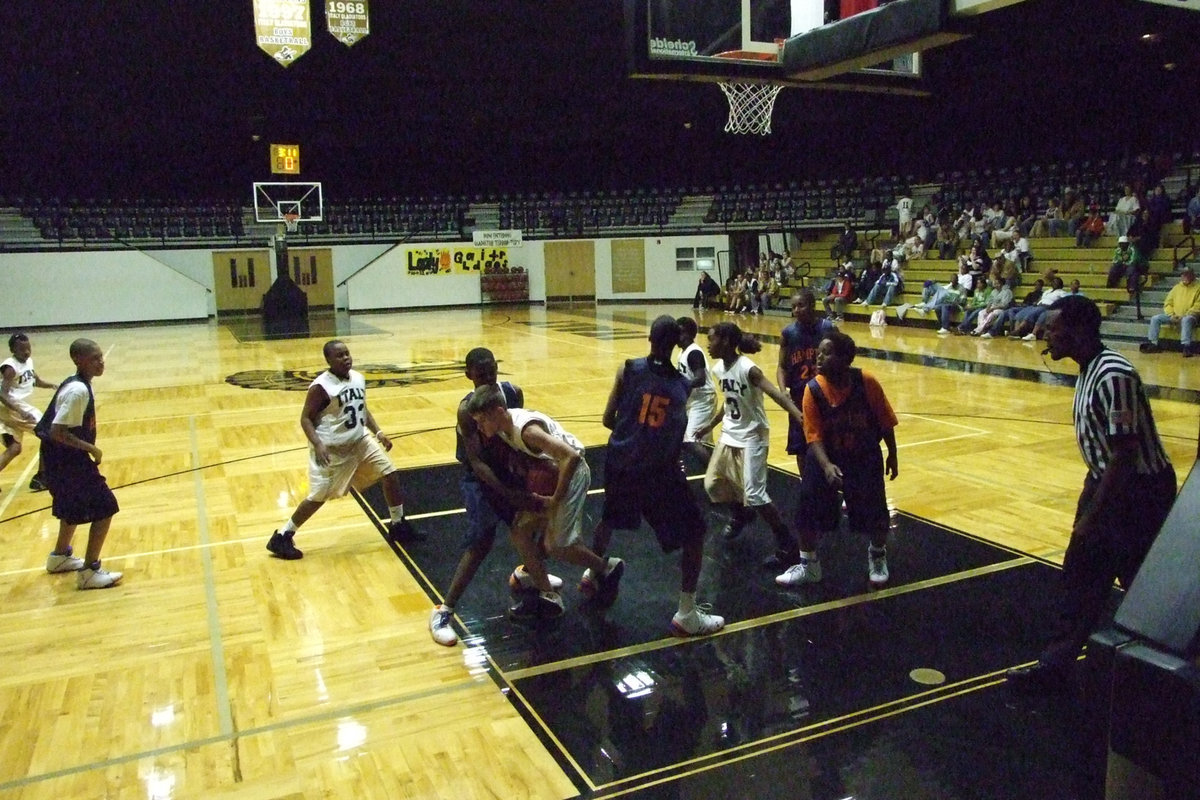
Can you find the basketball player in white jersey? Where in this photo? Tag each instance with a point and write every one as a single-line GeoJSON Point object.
{"type": "Point", "coordinates": [539, 436]}
{"type": "Point", "coordinates": [341, 455]}
{"type": "Point", "coordinates": [702, 399]}
{"type": "Point", "coordinates": [17, 416]}
{"type": "Point", "coordinates": [737, 472]}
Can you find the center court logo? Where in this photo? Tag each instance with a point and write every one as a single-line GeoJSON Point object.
{"type": "Point", "coordinates": [671, 47]}
{"type": "Point", "coordinates": [375, 375]}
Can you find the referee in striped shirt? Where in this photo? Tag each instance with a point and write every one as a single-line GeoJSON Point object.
{"type": "Point", "coordinates": [1127, 494]}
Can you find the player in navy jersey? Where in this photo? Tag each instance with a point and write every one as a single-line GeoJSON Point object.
{"type": "Point", "coordinates": [1126, 497]}
{"type": "Point", "coordinates": [647, 414]}
{"type": "Point", "coordinates": [798, 362]}
{"type": "Point", "coordinates": [71, 467]}
{"type": "Point", "coordinates": [341, 455]}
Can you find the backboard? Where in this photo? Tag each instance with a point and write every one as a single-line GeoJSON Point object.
{"type": "Point", "coordinates": [745, 40]}
{"type": "Point", "coordinates": [274, 201]}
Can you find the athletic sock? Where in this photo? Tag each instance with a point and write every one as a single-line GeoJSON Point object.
{"type": "Point", "coordinates": [396, 512]}
{"type": "Point", "coordinates": [809, 555]}
{"type": "Point", "coordinates": [289, 527]}
{"type": "Point", "coordinates": [687, 602]}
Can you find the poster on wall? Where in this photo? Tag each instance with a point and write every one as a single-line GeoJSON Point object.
{"type": "Point", "coordinates": [282, 29]}
{"type": "Point", "coordinates": [458, 260]}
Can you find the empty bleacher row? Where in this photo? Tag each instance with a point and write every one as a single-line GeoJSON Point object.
{"type": "Point", "coordinates": [91, 220]}
{"type": "Point", "coordinates": [806, 203]}
{"type": "Point", "coordinates": [578, 213]}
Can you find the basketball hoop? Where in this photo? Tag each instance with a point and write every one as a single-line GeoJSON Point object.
{"type": "Point", "coordinates": [291, 222]}
{"type": "Point", "coordinates": [750, 106]}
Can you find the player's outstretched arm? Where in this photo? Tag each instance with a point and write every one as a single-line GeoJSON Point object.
{"type": "Point", "coordinates": [772, 391]}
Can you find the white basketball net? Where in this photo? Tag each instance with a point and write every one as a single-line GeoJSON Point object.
{"type": "Point", "coordinates": [750, 106]}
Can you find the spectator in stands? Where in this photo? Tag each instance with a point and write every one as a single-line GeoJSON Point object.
{"type": "Point", "coordinates": [840, 293]}
{"type": "Point", "coordinates": [972, 307]}
{"type": "Point", "coordinates": [978, 262]}
{"type": "Point", "coordinates": [1050, 222]}
{"type": "Point", "coordinates": [998, 323]}
{"type": "Point", "coordinates": [947, 240]}
{"type": "Point", "coordinates": [1005, 229]}
{"type": "Point", "coordinates": [706, 291]}
{"type": "Point", "coordinates": [904, 213]}
{"type": "Point", "coordinates": [866, 280]}
{"type": "Point", "coordinates": [1074, 211]}
{"type": "Point", "coordinates": [1076, 287]}
{"type": "Point", "coordinates": [1124, 263]}
{"type": "Point", "coordinates": [1007, 265]}
{"type": "Point", "coordinates": [1027, 318]}
{"type": "Point", "coordinates": [932, 294]}
{"type": "Point", "coordinates": [1026, 214]}
{"type": "Point", "coordinates": [1024, 253]}
{"type": "Point", "coordinates": [998, 303]}
{"type": "Point", "coordinates": [847, 244]}
{"type": "Point", "coordinates": [1122, 216]}
{"type": "Point", "coordinates": [1157, 213]}
{"type": "Point", "coordinates": [886, 287]}
{"type": "Point", "coordinates": [769, 291]}
{"type": "Point", "coordinates": [1182, 308]}
{"type": "Point", "coordinates": [1091, 229]}
{"type": "Point", "coordinates": [1191, 219]}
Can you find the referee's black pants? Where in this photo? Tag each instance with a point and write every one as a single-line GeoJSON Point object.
{"type": "Point", "coordinates": [1114, 549]}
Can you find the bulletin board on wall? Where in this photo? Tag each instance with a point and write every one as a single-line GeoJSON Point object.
{"type": "Point", "coordinates": [628, 266]}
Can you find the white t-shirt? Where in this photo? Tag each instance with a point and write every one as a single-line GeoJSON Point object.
{"type": "Point", "coordinates": [904, 207]}
{"type": "Point", "coordinates": [704, 392]}
{"type": "Point", "coordinates": [745, 419]}
{"type": "Point", "coordinates": [343, 420]}
{"type": "Point", "coordinates": [523, 417]}
{"type": "Point", "coordinates": [71, 404]}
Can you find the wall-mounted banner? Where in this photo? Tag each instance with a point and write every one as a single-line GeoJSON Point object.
{"type": "Point", "coordinates": [283, 29]}
{"type": "Point", "coordinates": [457, 260]}
{"type": "Point", "coordinates": [511, 238]}
{"type": "Point", "coordinates": [347, 21]}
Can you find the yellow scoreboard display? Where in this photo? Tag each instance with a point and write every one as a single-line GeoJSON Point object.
{"type": "Point", "coordinates": [285, 159]}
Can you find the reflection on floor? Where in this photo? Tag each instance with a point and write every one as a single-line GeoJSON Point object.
{"type": "Point", "coordinates": [249, 327]}
{"type": "Point", "coordinates": [828, 692]}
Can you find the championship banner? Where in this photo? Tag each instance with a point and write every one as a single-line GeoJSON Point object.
{"type": "Point", "coordinates": [347, 22]}
{"type": "Point", "coordinates": [457, 260]}
{"type": "Point", "coordinates": [282, 29]}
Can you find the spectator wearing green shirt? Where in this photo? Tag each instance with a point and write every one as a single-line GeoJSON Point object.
{"type": "Point", "coordinates": [1125, 263]}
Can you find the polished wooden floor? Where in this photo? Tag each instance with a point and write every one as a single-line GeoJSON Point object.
{"type": "Point", "coordinates": [215, 671]}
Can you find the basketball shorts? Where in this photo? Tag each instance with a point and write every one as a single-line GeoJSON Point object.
{"type": "Point", "coordinates": [663, 499]}
{"type": "Point", "coordinates": [700, 412]}
{"type": "Point", "coordinates": [485, 510]}
{"type": "Point", "coordinates": [78, 492]}
{"type": "Point", "coordinates": [738, 474]}
{"type": "Point", "coordinates": [13, 426]}
{"type": "Point", "coordinates": [820, 508]}
{"type": "Point", "coordinates": [565, 524]}
{"type": "Point", "coordinates": [356, 465]}
{"type": "Point", "coordinates": [797, 444]}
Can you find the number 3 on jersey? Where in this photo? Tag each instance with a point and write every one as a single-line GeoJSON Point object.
{"type": "Point", "coordinates": [354, 415]}
{"type": "Point", "coordinates": [654, 410]}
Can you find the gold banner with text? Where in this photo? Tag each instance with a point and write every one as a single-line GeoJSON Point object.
{"type": "Point", "coordinates": [348, 22]}
{"type": "Point", "coordinates": [283, 29]}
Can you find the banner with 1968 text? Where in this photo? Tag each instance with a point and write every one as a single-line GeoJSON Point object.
{"type": "Point", "coordinates": [348, 22]}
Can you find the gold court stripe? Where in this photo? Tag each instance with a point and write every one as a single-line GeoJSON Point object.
{"type": "Point", "coordinates": [782, 616]}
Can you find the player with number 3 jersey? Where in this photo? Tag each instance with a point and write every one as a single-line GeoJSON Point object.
{"type": "Point", "coordinates": [341, 455]}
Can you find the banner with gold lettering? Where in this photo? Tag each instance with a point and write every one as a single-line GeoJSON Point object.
{"type": "Point", "coordinates": [283, 29]}
{"type": "Point", "coordinates": [349, 21]}
{"type": "Point", "coordinates": [457, 260]}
